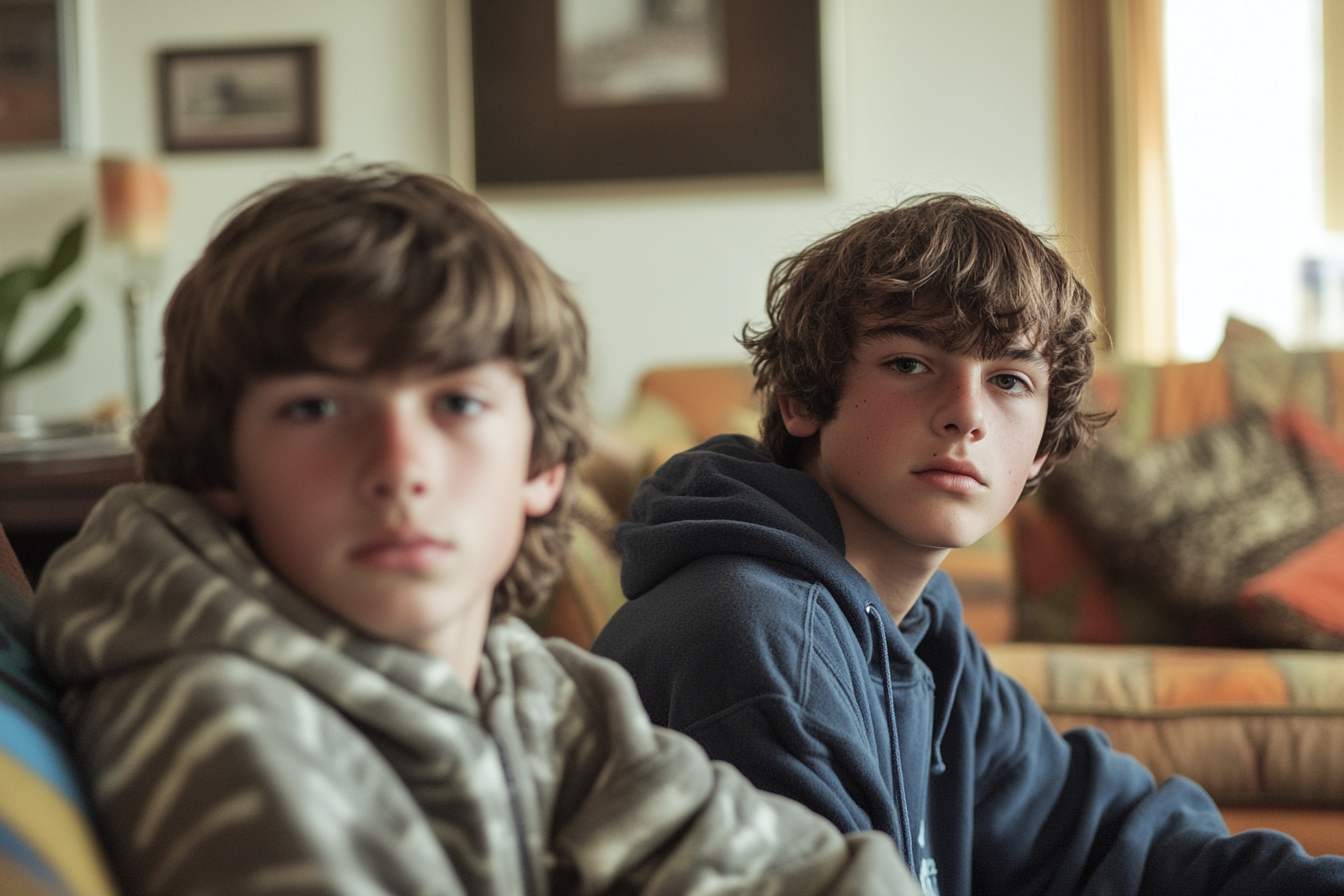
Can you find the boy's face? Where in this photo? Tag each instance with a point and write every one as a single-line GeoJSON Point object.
{"type": "Point", "coordinates": [395, 501]}
{"type": "Point", "coordinates": [928, 448]}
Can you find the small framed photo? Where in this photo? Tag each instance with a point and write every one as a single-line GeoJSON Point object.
{"type": "Point", "coordinates": [255, 97]}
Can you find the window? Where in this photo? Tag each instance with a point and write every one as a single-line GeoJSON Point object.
{"type": "Point", "coordinates": [1244, 131]}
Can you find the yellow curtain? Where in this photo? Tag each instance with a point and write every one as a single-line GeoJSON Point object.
{"type": "Point", "coordinates": [1114, 210]}
{"type": "Point", "coordinates": [1332, 27]}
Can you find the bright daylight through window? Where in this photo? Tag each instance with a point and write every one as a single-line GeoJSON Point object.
{"type": "Point", "coordinates": [1244, 119]}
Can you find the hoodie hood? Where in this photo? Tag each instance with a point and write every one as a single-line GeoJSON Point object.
{"type": "Point", "coordinates": [728, 496]}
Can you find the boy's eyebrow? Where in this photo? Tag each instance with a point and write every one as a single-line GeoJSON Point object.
{"type": "Point", "coordinates": [334, 372]}
{"type": "Point", "coordinates": [923, 334]}
{"type": "Point", "coordinates": [1025, 353]}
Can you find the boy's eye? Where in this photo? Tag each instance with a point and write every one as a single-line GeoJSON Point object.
{"type": "Point", "coordinates": [314, 408]}
{"type": "Point", "coordinates": [1009, 382]}
{"type": "Point", "coordinates": [463, 405]}
{"type": "Point", "coordinates": [906, 365]}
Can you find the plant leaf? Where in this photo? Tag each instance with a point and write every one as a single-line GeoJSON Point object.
{"type": "Point", "coordinates": [66, 253]}
{"type": "Point", "coordinates": [15, 285]}
{"type": "Point", "coordinates": [55, 344]}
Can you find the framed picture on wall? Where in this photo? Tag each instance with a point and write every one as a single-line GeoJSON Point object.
{"type": "Point", "coordinates": [35, 92]}
{"type": "Point", "coordinates": [572, 91]}
{"type": "Point", "coordinates": [250, 97]}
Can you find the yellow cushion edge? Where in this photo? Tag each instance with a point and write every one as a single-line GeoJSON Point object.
{"type": "Point", "coordinates": [16, 881]}
{"type": "Point", "coordinates": [53, 828]}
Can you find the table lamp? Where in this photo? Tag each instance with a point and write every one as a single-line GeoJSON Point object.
{"type": "Point", "coordinates": [135, 227]}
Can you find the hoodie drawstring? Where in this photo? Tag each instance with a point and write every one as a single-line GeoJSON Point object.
{"type": "Point", "coordinates": [907, 846]}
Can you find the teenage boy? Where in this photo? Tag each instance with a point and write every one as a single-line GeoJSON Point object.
{"type": "Point", "coordinates": [922, 369]}
{"type": "Point", "coordinates": [289, 659]}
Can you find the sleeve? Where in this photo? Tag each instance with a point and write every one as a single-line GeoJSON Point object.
{"type": "Point", "coordinates": [783, 750]}
{"type": "Point", "coordinates": [225, 778]}
{"type": "Point", "coordinates": [755, 670]}
{"type": "Point", "coordinates": [653, 813]}
{"type": "Point", "coordinates": [1068, 814]}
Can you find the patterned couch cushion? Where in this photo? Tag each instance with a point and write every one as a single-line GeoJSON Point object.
{"type": "Point", "coordinates": [1252, 727]}
{"type": "Point", "coordinates": [589, 592]}
{"type": "Point", "coordinates": [47, 844]}
{"type": "Point", "coordinates": [1211, 474]}
{"type": "Point", "coordinates": [1191, 519]}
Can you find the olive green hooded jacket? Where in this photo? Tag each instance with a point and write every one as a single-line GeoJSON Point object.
{"type": "Point", "coordinates": [239, 739]}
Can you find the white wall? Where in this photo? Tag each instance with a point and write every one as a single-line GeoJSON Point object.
{"type": "Point", "coordinates": [920, 96]}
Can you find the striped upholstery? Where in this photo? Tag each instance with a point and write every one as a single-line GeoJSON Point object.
{"type": "Point", "coordinates": [1253, 727]}
{"type": "Point", "coordinates": [47, 844]}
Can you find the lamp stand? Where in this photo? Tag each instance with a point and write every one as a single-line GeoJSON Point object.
{"type": "Point", "coordinates": [134, 306]}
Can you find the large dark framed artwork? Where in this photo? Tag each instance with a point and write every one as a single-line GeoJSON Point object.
{"type": "Point", "coordinates": [573, 91]}
{"type": "Point", "coordinates": [35, 93]}
{"type": "Point", "coordinates": [241, 97]}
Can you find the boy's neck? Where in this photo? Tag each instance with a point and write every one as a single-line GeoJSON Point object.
{"type": "Point", "coordinates": [898, 576]}
{"type": "Point", "coordinates": [460, 647]}
{"type": "Point", "coordinates": [897, 569]}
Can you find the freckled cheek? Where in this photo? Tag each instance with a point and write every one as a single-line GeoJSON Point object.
{"type": "Point", "coordinates": [1025, 446]}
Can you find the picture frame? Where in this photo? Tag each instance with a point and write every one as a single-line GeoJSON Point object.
{"type": "Point", "coordinates": [759, 116]}
{"type": "Point", "coordinates": [239, 97]}
{"type": "Point", "coordinates": [37, 68]}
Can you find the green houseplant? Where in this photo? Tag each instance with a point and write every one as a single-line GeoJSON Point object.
{"type": "Point", "coordinates": [29, 279]}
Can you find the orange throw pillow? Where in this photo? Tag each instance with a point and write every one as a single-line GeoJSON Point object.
{"type": "Point", "coordinates": [1300, 602]}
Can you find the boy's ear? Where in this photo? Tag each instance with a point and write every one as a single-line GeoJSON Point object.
{"type": "Point", "coordinates": [542, 491]}
{"type": "Point", "coordinates": [225, 501]}
{"type": "Point", "coordinates": [796, 420]}
{"type": "Point", "coordinates": [1037, 464]}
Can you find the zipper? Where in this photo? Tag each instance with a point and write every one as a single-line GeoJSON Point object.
{"type": "Point", "coordinates": [529, 866]}
{"type": "Point", "coordinates": [907, 846]}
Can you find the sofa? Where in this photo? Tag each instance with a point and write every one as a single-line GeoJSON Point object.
{"type": "Point", "coordinates": [1179, 586]}
{"type": "Point", "coordinates": [1245, 694]}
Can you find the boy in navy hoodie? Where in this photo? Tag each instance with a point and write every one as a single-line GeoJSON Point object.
{"type": "Point", "coordinates": [922, 371]}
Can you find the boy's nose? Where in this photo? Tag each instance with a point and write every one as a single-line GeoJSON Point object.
{"type": "Point", "coordinates": [961, 414]}
{"type": "Point", "coordinates": [397, 469]}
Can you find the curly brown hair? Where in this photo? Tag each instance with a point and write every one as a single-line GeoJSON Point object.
{"type": "Point", "coordinates": [984, 280]}
{"type": "Point", "coordinates": [405, 265]}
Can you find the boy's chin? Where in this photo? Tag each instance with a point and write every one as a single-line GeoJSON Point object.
{"type": "Point", "coordinates": [952, 541]}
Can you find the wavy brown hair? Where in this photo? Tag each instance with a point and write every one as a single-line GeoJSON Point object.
{"type": "Point", "coordinates": [983, 280]}
{"type": "Point", "coordinates": [405, 265]}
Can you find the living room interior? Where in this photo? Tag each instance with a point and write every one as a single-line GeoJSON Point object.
{"type": "Point", "coordinates": [976, 96]}
{"type": "Point", "coordinates": [953, 97]}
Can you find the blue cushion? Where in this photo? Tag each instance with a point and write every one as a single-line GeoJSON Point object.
{"type": "Point", "coordinates": [47, 844]}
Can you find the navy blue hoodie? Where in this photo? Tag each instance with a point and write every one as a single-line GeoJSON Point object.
{"type": "Point", "coordinates": [748, 630]}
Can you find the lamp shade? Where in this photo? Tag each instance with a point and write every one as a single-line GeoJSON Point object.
{"type": "Point", "coordinates": [135, 204]}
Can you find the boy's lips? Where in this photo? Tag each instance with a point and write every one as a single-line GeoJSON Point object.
{"type": "Point", "coordinates": [953, 475]}
{"type": "Point", "coordinates": [400, 552]}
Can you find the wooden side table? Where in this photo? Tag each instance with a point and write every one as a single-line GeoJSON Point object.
{"type": "Point", "coordinates": [44, 499]}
